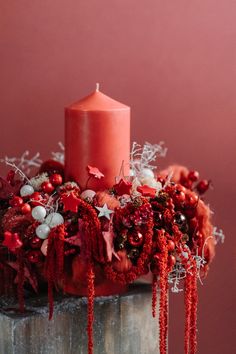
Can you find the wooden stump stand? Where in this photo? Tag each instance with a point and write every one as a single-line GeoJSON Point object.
{"type": "Point", "coordinates": [123, 325]}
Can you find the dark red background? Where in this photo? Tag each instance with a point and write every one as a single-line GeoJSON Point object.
{"type": "Point", "coordinates": [174, 63]}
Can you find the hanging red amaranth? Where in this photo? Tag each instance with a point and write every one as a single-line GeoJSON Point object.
{"type": "Point", "coordinates": [54, 262]}
{"type": "Point", "coordinates": [191, 299]}
{"type": "Point", "coordinates": [154, 295]}
{"type": "Point", "coordinates": [94, 249]}
{"type": "Point", "coordinates": [193, 319]}
{"type": "Point", "coordinates": [163, 285]}
{"type": "Point", "coordinates": [90, 311]}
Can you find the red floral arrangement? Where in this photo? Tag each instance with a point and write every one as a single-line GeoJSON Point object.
{"type": "Point", "coordinates": [96, 243]}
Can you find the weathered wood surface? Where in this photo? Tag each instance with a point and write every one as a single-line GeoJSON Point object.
{"type": "Point", "coordinates": [123, 325]}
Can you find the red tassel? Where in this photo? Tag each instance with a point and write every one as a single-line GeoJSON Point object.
{"type": "Point", "coordinates": [90, 314]}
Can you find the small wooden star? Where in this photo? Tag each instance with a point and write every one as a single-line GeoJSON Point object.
{"type": "Point", "coordinates": [123, 187]}
{"type": "Point", "coordinates": [147, 191]}
{"type": "Point", "coordinates": [94, 171]}
{"type": "Point", "coordinates": [104, 211]}
{"type": "Point", "coordinates": [70, 202]}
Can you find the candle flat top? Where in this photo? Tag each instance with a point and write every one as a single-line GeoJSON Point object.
{"type": "Point", "coordinates": [97, 101]}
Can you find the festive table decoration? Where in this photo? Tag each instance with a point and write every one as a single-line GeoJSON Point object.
{"type": "Point", "coordinates": [54, 232]}
{"type": "Point", "coordinates": [115, 222]}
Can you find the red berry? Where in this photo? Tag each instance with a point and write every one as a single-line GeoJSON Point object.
{"type": "Point", "coordinates": [34, 256]}
{"type": "Point", "coordinates": [56, 179]}
{"type": "Point", "coordinates": [179, 197]}
{"type": "Point", "coordinates": [16, 201]}
{"type": "Point", "coordinates": [26, 208]}
{"type": "Point", "coordinates": [171, 245]}
{"type": "Point", "coordinates": [47, 187]}
{"type": "Point", "coordinates": [171, 260]}
{"type": "Point", "coordinates": [193, 176]}
{"type": "Point", "coordinates": [203, 186]}
{"type": "Point", "coordinates": [36, 242]}
{"type": "Point", "coordinates": [192, 199]}
{"type": "Point", "coordinates": [36, 199]}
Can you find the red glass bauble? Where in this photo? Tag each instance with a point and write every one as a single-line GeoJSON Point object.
{"type": "Point", "coordinates": [36, 199]}
{"type": "Point", "coordinates": [26, 208]}
{"type": "Point", "coordinates": [16, 201]}
{"type": "Point", "coordinates": [56, 179]}
{"type": "Point", "coordinates": [47, 187]}
{"type": "Point", "coordinates": [135, 239]}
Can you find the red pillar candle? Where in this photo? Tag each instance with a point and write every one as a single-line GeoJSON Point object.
{"type": "Point", "coordinates": [97, 133]}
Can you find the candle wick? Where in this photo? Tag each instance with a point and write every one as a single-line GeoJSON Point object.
{"type": "Point", "coordinates": [97, 87]}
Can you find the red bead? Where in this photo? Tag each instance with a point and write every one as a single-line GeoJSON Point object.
{"type": "Point", "coordinates": [171, 245]}
{"type": "Point", "coordinates": [56, 179]}
{"type": "Point", "coordinates": [135, 239]}
{"type": "Point", "coordinates": [193, 176]}
{"type": "Point", "coordinates": [47, 187]}
{"type": "Point", "coordinates": [36, 242]}
{"type": "Point", "coordinates": [36, 199]}
{"type": "Point", "coordinates": [26, 208]}
{"type": "Point", "coordinates": [16, 201]}
{"type": "Point", "coordinates": [34, 256]}
{"type": "Point", "coordinates": [203, 186]}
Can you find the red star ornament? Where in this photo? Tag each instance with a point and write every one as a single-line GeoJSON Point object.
{"type": "Point", "coordinates": [70, 202]}
{"type": "Point", "coordinates": [147, 191]}
{"type": "Point", "coordinates": [94, 172]}
{"type": "Point", "coordinates": [123, 187]}
{"type": "Point", "coordinates": [12, 241]}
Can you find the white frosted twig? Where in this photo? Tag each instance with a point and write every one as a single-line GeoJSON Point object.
{"type": "Point", "coordinates": [17, 170]}
{"type": "Point", "coordinates": [23, 163]}
{"type": "Point", "coordinates": [59, 155]}
{"type": "Point", "coordinates": [141, 157]}
{"type": "Point", "coordinates": [219, 235]}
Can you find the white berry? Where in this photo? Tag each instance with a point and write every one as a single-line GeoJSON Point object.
{"type": "Point", "coordinates": [39, 213]}
{"type": "Point", "coordinates": [42, 231]}
{"type": "Point", "coordinates": [54, 219]}
{"type": "Point", "coordinates": [26, 190]}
